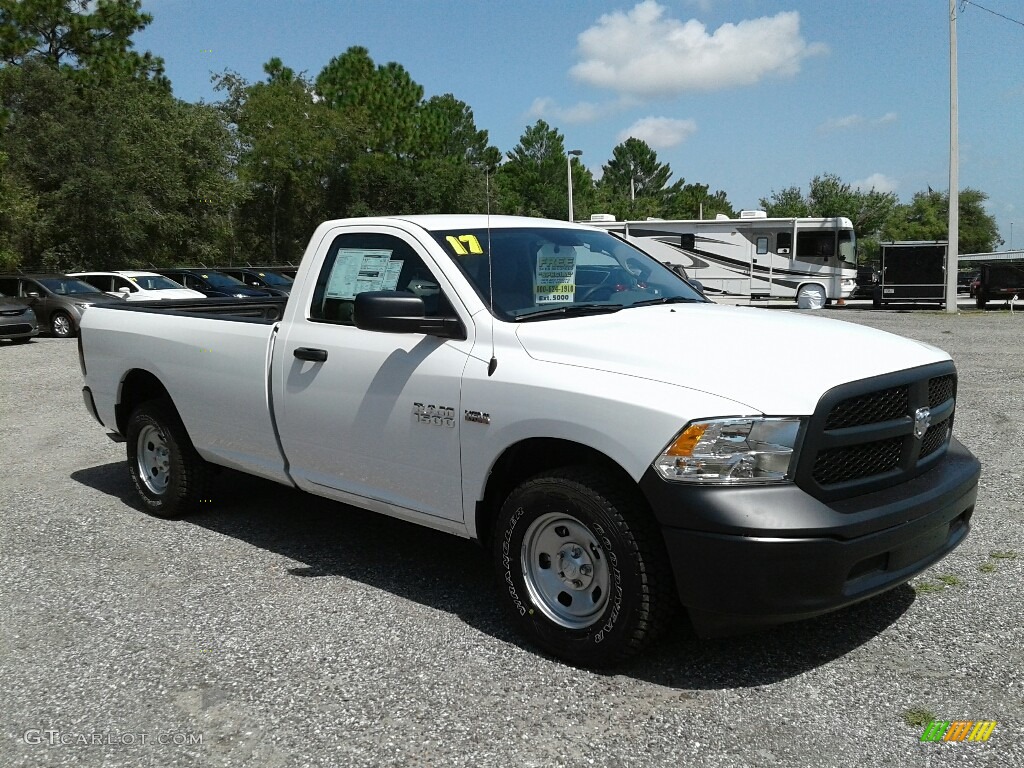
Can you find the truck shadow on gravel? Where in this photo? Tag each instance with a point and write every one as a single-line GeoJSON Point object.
{"type": "Point", "coordinates": [451, 574]}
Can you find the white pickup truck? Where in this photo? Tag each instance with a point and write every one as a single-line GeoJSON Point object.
{"type": "Point", "coordinates": [619, 444]}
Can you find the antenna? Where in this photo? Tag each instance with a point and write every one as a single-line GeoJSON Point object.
{"type": "Point", "coordinates": [493, 365]}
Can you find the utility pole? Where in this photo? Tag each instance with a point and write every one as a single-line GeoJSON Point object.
{"type": "Point", "coordinates": [568, 165]}
{"type": "Point", "coordinates": [952, 250]}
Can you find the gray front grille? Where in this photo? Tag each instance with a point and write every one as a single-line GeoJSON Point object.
{"type": "Point", "coordinates": [861, 436]}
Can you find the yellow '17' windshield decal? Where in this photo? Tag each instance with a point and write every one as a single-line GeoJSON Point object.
{"type": "Point", "coordinates": [460, 243]}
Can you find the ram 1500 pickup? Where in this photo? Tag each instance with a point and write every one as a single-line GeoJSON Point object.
{"type": "Point", "coordinates": [619, 444]}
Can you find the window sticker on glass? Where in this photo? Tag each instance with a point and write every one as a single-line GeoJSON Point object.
{"type": "Point", "coordinates": [556, 276]}
{"type": "Point", "coordinates": [357, 270]}
{"type": "Point", "coordinates": [463, 245]}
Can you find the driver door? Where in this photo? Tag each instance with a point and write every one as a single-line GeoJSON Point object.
{"type": "Point", "coordinates": [371, 415]}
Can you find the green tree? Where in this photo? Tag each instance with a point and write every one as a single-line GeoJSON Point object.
{"type": "Point", "coordinates": [694, 201]}
{"type": "Point", "coordinates": [384, 97]}
{"type": "Point", "coordinates": [92, 38]}
{"type": "Point", "coordinates": [634, 171]}
{"type": "Point", "coordinates": [788, 203]}
{"type": "Point", "coordinates": [534, 179]}
{"type": "Point", "coordinates": [926, 217]}
{"type": "Point", "coordinates": [292, 152]}
{"type": "Point", "coordinates": [120, 175]}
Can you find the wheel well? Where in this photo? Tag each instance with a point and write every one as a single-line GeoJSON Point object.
{"type": "Point", "coordinates": [138, 387]}
{"type": "Point", "coordinates": [525, 459]}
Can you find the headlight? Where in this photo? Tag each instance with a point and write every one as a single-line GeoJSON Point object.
{"type": "Point", "coordinates": [732, 451]}
{"type": "Point", "coordinates": [82, 304]}
{"type": "Point", "coordinates": [240, 295]}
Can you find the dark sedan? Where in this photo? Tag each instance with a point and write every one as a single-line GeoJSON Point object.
{"type": "Point", "coordinates": [264, 279]}
{"type": "Point", "coordinates": [213, 283]}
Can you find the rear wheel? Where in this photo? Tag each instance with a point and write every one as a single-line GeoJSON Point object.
{"type": "Point", "coordinates": [61, 325]}
{"type": "Point", "coordinates": [980, 300]}
{"type": "Point", "coordinates": [582, 566]}
{"type": "Point", "coordinates": [169, 474]}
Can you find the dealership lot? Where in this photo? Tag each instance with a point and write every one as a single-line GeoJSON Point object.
{"type": "Point", "coordinates": [279, 629]}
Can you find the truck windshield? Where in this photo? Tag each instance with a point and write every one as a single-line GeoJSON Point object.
{"type": "Point", "coordinates": [552, 273]}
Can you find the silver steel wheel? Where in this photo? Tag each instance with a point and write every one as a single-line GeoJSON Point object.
{"type": "Point", "coordinates": [565, 570]}
{"type": "Point", "coordinates": [61, 325]}
{"type": "Point", "coordinates": [154, 460]}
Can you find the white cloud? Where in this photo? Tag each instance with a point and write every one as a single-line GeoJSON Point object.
{"type": "Point", "coordinates": [660, 132]}
{"type": "Point", "coordinates": [581, 112]}
{"type": "Point", "coordinates": [645, 53]}
{"type": "Point", "coordinates": [851, 121]}
{"type": "Point", "coordinates": [878, 182]}
{"type": "Point", "coordinates": [838, 123]}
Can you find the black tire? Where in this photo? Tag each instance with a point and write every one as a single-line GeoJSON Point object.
{"type": "Point", "coordinates": [61, 325]}
{"type": "Point", "coordinates": [169, 474]}
{"type": "Point", "coordinates": [582, 567]}
{"type": "Point", "coordinates": [980, 300]}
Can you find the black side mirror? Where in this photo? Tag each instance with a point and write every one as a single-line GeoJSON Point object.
{"type": "Point", "coordinates": [33, 294]}
{"type": "Point", "coordinates": [401, 312]}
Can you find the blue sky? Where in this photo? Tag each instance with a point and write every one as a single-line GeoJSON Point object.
{"type": "Point", "coordinates": [748, 96]}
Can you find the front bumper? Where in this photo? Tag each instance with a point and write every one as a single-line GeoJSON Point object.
{"type": "Point", "coordinates": [756, 556]}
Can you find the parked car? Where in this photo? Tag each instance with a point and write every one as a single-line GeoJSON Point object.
{"type": "Point", "coordinates": [212, 283]}
{"type": "Point", "coordinates": [137, 286]}
{"type": "Point", "coordinates": [58, 301]}
{"type": "Point", "coordinates": [266, 279]}
{"type": "Point", "coordinates": [17, 321]}
{"type": "Point", "coordinates": [965, 282]}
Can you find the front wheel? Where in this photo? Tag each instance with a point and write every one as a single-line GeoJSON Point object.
{"type": "Point", "coordinates": [61, 325]}
{"type": "Point", "coordinates": [581, 566]}
{"type": "Point", "coordinates": [169, 474]}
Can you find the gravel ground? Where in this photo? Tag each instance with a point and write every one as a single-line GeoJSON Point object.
{"type": "Point", "coordinates": [281, 630]}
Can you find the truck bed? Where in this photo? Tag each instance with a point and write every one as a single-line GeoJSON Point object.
{"type": "Point", "coordinates": [218, 347]}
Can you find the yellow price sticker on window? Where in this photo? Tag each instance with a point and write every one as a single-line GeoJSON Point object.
{"type": "Point", "coordinates": [462, 242]}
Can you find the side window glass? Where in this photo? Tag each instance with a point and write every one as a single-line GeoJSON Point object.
{"type": "Point", "coordinates": [358, 263]}
{"type": "Point", "coordinates": [762, 246]}
{"type": "Point", "coordinates": [784, 243]}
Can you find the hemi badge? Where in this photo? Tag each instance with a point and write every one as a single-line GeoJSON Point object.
{"type": "Point", "coordinates": [478, 417]}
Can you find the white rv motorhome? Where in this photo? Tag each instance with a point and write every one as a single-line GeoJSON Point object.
{"type": "Point", "coordinates": [812, 260]}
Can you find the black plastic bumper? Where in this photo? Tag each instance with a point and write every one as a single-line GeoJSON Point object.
{"type": "Point", "coordinates": [748, 557]}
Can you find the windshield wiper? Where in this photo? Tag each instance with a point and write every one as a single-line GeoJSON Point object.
{"type": "Point", "coordinates": [570, 310]}
{"type": "Point", "coordinates": [666, 300]}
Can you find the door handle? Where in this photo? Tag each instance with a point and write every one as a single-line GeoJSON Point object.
{"type": "Point", "coordinates": [311, 354]}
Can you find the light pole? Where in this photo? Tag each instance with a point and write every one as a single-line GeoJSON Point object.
{"type": "Point", "coordinates": [568, 165]}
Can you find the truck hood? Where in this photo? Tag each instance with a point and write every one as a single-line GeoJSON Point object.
{"type": "Point", "coordinates": [778, 363]}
